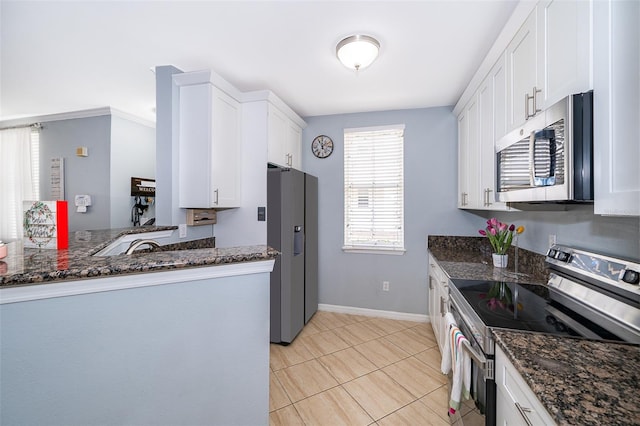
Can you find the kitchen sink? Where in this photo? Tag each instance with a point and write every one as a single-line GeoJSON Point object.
{"type": "Point", "coordinates": [121, 244]}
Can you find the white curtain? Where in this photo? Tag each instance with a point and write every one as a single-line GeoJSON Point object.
{"type": "Point", "coordinates": [16, 181]}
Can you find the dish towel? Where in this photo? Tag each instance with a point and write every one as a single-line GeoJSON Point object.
{"type": "Point", "coordinates": [449, 321]}
{"type": "Point", "coordinates": [454, 357]}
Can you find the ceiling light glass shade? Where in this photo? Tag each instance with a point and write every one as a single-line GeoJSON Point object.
{"type": "Point", "coordinates": [358, 51]}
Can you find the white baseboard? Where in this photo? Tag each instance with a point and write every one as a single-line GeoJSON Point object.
{"type": "Point", "coordinates": [373, 313]}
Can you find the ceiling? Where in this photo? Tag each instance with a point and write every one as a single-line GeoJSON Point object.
{"type": "Point", "coordinates": [59, 56]}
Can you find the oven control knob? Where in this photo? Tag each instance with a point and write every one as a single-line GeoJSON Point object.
{"type": "Point", "coordinates": [631, 277]}
{"type": "Point", "coordinates": [562, 256]}
{"type": "Point", "coordinates": [552, 253]}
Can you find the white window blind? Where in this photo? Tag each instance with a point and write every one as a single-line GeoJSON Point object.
{"type": "Point", "coordinates": [374, 188]}
{"type": "Point", "coordinates": [35, 163]}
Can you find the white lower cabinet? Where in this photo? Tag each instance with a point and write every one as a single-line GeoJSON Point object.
{"type": "Point", "coordinates": [438, 300]}
{"type": "Point", "coordinates": [515, 402]}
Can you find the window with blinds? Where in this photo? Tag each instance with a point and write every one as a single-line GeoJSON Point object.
{"type": "Point", "coordinates": [35, 163]}
{"type": "Point", "coordinates": [374, 189]}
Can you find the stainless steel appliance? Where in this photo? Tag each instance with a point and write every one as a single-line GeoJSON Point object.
{"type": "Point", "coordinates": [549, 159]}
{"type": "Point", "coordinates": [588, 295]}
{"type": "Point", "coordinates": [292, 229]}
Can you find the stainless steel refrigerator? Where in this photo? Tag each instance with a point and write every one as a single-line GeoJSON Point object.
{"type": "Point", "coordinates": [292, 229]}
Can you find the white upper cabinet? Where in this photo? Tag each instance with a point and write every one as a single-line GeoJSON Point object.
{"type": "Point", "coordinates": [209, 144]}
{"type": "Point", "coordinates": [548, 58]}
{"type": "Point", "coordinates": [616, 38]}
{"type": "Point", "coordinates": [468, 160]}
{"type": "Point", "coordinates": [476, 138]}
{"type": "Point", "coordinates": [521, 78]}
{"type": "Point", "coordinates": [564, 50]}
{"type": "Point", "coordinates": [294, 145]}
{"type": "Point", "coordinates": [491, 116]}
{"type": "Point", "coordinates": [498, 76]}
{"type": "Point", "coordinates": [285, 140]}
{"type": "Point", "coordinates": [277, 124]}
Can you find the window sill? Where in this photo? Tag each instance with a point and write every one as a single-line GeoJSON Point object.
{"type": "Point", "coordinates": [373, 250]}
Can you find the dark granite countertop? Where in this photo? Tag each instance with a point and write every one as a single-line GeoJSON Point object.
{"type": "Point", "coordinates": [470, 258]}
{"type": "Point", "coordinates": [28, 266]}
{"type": "Point", "coordinates": [579, 382]}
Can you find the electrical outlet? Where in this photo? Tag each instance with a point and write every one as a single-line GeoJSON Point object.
{"type": "Point", "coordinates": [552, 239]}
{"type": "Point", "coordinates": [182, 229]}
{"type": "Point", "coordinates": [385, 285]}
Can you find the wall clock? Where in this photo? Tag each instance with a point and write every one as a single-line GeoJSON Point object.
{"type": "Point", "coordinates": [322, 146]}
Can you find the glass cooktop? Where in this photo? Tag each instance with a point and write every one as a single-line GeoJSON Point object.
{"type": "Point", "coordinates": [528, 307]}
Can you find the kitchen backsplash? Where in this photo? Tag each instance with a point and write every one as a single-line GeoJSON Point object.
{"type": "Point", "coordinates": [478, 249]}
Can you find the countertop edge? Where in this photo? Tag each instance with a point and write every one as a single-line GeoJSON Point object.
{"type": "Point", "coordinates": [129, 281]}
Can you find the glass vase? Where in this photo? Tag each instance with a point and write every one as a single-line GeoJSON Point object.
{"type": "Point", "coordinates": [500, 260]}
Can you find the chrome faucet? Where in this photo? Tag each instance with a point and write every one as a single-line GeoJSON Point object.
{"type": "Point", "coordinates": [137, 243]}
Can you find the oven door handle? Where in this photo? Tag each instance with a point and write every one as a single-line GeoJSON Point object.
{"type": "Point", "coordinates": [486, 365]}
{"type": "Point", "coordinates": [477, 357]}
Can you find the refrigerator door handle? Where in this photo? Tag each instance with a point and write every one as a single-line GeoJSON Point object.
{"type": "Point", "coordinates": [298, 240]}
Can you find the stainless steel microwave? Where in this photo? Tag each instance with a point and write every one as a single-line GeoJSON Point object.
{"type": "Point", "coordinates": [549, 158]}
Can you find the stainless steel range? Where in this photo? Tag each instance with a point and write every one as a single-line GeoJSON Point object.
{"type": "Point", "coordinates": [588, 296]}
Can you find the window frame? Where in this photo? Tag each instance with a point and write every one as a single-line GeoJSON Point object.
{"type": "Point", "coordinates": [375, 246]}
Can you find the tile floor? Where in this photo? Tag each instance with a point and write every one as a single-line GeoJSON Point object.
{"type": "Point", "coordinates": [354, 370]}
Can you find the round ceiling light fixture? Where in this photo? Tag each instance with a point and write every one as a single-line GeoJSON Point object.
{"type": "Point", "coordinates": [358, 51]}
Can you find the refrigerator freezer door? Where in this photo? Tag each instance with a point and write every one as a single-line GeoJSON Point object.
{"type": "Point", "coordinates": [285, 199]}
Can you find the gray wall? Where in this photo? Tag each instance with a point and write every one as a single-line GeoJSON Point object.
{"type": "Point", "coordinates": [430, 209]}
{"type": "Point", "coordinates": [162, 355]}
{"type": "Point", "coordinates": [355, 280]}
{"type": "Point", "coordinates": [118, 149]}
{"type": "Point", "coordinates": [576, 226]}
{"type": "Point", "coordinates": [83, 175]}
{"type": "Point", "coordinates": [133, 154]}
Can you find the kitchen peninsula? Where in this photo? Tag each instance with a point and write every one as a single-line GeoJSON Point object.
{"type": "Point", "coordinates": [177, 336]}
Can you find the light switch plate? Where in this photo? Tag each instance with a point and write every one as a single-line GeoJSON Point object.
{"type": "Point", "coordinates": [182, 229]}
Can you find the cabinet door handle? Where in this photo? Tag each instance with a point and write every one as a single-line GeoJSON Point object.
{"type": "Point", "coordinates": [535, 100]}
{"type": "Point", "coordinates": [489, 191]}
{"type": "Point", "coordinates": [215, 198]}
{"type": "Point", "coordinates": [442, 306]}
{"type": "Point", "coordinates": [430, 282]}
{"type": "Point", "coordinates": [526, 106]}
{"type": "Point", "coordinates": [523, 412]}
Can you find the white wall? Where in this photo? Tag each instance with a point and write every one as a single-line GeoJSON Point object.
{"type": "Point", "coordinates": [430, 208]}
